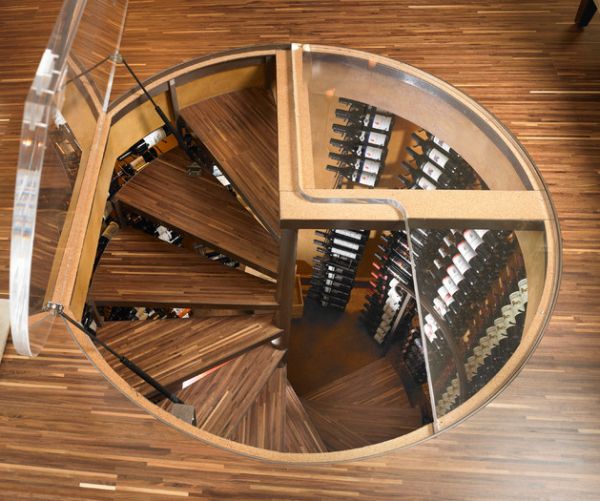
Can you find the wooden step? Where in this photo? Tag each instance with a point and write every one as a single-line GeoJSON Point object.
{"type": "Point", "coordinates": [223, 396]}
{"type": "Point", "coordinates": [373, 424]}
{"type": "Point", "coordinates": [365, 407]}
{"type": "Point", "coordinates": [263, 425]}
{"type": "Point", "coordinates": [137, 269]}
{"type": "Point", "coordinates": [335, 435]}
{"type": "Point", "coordinates": [240, 130]}
{"type": "Point", "coordinates": [301, 435]}
{"type": "Point", "coordinates": [202, 208]}
{"type": "Point", "coordinates": [376, 384]}
{"type": "Point", "coordinates": [174, 350]}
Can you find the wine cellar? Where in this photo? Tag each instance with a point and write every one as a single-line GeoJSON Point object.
{"type": "Point", "coordinates": [280, 227]}
{"type": "Point", "coordinates": [298, 258]}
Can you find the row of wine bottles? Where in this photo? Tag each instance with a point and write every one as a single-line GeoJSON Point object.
{"type": "Point", "coordinates": [335, 270]}
{"type": "Point", "coordinates": [437, 166]}
{"type": "Point", "coordinates": [157, 230]}
{"type": "Point", "coordinates": [148, 148]}
{"type": "Point", "coordinates": [124, 313]}
{"type": "Point", "coordinates": [491, 351]}
{"type": "Point", "coordinates": [414, 357]}
{"type": "Point", "coordinates": [391, 289]}
{"type": "Point", "coordinates": [362, 150]}
{"type": "Point", "coordinates": [137, 156]}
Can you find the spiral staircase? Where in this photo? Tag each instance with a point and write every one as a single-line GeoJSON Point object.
{"type": "Point", "coordinates": [227, 353]}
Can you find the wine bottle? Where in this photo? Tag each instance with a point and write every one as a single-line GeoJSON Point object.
{"type": "Point", "coordinates": [353, 235]}
{"type": "Point", "coordinates": [339, 248]}
{"type": "Point", "coordinates": [144, 144]}
{"type": "Point", "coordinates": [432, 159]}
{"type": "Point", "coordinates": [433, 174]}
{"type": "Point", "coordinates": [110, 231]}
{"type": "Point", "coordinates": [365, 178]}
{"type": "Point", "coordinates": [361, 135]}
{"type": "Point", "coordinates": [353, 105]}
{"type": "Point", "coordinates": [359, 164]}
{"type": "Point", "coordinates": [331, 282]}
{"type": "Point", "coordinates": [369, 119]}
{"type": "Point", "coordinates": [360, 150]}
{"type": "Point", "coordinates": [339, 241]}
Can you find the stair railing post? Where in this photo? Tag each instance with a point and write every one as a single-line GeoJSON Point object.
{"type": "Point", "coordinates": [286, 281]}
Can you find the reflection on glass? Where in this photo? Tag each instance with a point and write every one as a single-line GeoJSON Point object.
{"type": "Point", "coordinates": [69, 93]}
{"type": "Point", "coordinates": [377, 126]}
{"type": "Point", "coordinates": [473, 284]}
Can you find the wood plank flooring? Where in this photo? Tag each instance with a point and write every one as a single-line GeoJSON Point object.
{"type": "Point", "coordinates": [240, 130]}
{"type": "Point", "coordinates": [202, 209]}
{"type": "Point", "coordinates": [174, 350]}
{"type": "Point", "coordinates": [137, 270]}
{"type": "Point", "coordinates": [67, 434]}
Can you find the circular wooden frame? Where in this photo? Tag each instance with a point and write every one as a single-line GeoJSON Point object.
{"type": "Point", "coordinates": [133, 113]}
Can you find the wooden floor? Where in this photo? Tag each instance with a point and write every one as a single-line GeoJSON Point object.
{"type": "Point", "coordinates": [65, 433]}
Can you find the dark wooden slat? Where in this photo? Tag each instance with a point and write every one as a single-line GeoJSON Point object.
{"type": "Point", "coordinates": [300, 432]}
{"type": "Point", "coordinates": [335, 436]}
{"type": "Point", "coordinates": [240, 130]}
{"type": "Point", "coordinates": [367, 406]}
{"type": "Point", "coordinates": [201, 208]}
{"type": "Point", "coordinates": [263, 425]}
{"type": "Point", "coordinates": [373, 424]}
{"type": "Point", "coordinates": [137, 269]}
{"type": "Point", "coordinates": [174, 350]}
{"type": "Point", "coordinates": [376, 384]}
{"type": "Point", "coordinates": [223, 396]}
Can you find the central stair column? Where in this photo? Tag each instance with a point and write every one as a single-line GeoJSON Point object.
{"type": "Point", "coordinates": [285, 286]}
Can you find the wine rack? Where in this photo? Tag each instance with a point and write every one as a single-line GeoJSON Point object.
{"type": "Point", "coordinates": [334, 271]}
{"type": "Point", "coordinates": [363, 147]}
{"type": "Point", "coordinates": [471, 283]}
{"type": "Point", "coordinates": [392, 289]}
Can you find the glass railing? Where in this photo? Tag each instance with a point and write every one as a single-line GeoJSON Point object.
{"type": "Point", "coordinates": [63, 113]}
{"type": "Point", "coordinates": [469, 230]}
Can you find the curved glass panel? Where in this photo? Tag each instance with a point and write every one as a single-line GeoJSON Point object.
{"type": "Point", "coordinates": [406, 137]}
{"type": "Point", "coordinates": [466, 221]}
{"type": "Point", "coordinates": [479, 290]}
{"type": "Point", "coordinates": [68, 96]}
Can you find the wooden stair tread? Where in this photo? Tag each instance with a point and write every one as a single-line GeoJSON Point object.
{"type": "Point", "coordinates": [223, 396]}
{"type": "Point", "coordinates": [377, 384]}
{"type": "Point", "coordinates": [374, 424]}
{"type": "Point", "coordinates": [174, 350]}
{"type": "Point", "coordinates": [335, 435]}
{"type": "Point", "coordinates": [301, 435]}
{"type": "Point", "coordinates": [139, 270]}
{"type": "Point", "coordinates": [240, 130]}
{"type": "Point", "coordinates": [263, 425]}
{"type": "Point", "coordinates": [201, 208]}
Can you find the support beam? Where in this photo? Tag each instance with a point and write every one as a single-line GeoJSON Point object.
{"type": "Point", "coordinates": [387, 209]}
{"type": "Point", "coordinates": [286, 283]}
